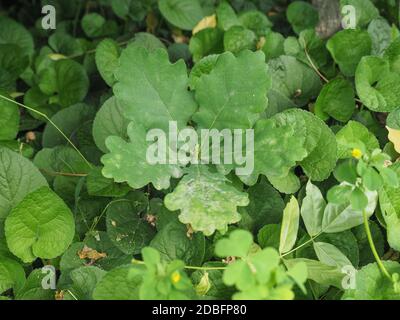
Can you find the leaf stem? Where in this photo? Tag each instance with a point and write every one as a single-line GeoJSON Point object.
{"type": "Point", "coordinates": [64, 174]}
{"type": "Point", "coordinates": [52, 123]}
{"type": "Point", "coordinates": [373, 248]}
{"type": "Point", "coordinates": [302, 245]}
{"type": "Point", "coordinates": [119, 44]}
{"type": "Point", "coordinates": [313, 65]}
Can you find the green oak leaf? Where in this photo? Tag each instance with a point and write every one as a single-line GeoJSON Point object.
{"type": "Point", "coordinates": [233, 94]}
{"type": "Point", "coordinates": [40, 226]}
{"type": "Point", "coordinates": [157, 93]}
{"type": "Point", "coordinates": [204, 66]}
{"type": "Point", "coordinates": [206, 200]}
{"type": "Point", "coordinates": [292, 138]}
{"type": "Point", "coordinates": [127, 162]}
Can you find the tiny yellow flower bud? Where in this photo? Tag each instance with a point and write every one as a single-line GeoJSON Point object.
{"type": "Point", "coordinates": [357, 153]}
{"type": "Point", "coordinates": [175, 277]}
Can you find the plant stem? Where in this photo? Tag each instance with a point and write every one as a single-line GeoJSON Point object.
{"type": "Point", "coordinates": [313, 65]}
{"type": "Point", "coordinates": [373, 248]}
{"type": "Point", "coordinates": [302, 245]}
{"type": "Point", "coordinates": [52, 123]}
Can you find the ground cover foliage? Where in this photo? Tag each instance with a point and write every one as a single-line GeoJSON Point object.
{"type": "Point", "coordinates": [84, 216]}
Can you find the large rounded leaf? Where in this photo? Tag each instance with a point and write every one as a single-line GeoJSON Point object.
{"type": "Point", "coordinates": [40, 226]}
{"type": "Point", "coordinates": [18, 177]}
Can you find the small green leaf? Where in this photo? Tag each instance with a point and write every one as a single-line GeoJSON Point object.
{"type": "Point", "coordinates": [330, 255]}
{"type": "Point", "coordinates": [20, 177]}
{"type": "Point", "coordinates": [290, 226]}
{"type": "Point", "coordinates": [12, 275]}
{"type": "Point", "coordinates": [107, 55]}
{"type": "Point", "coordinates": [312, 209]}
{"type": "Point", "coordinates": [337, 100]}
{"type": "Point", "coordinates": [184, 14]}
{"type": "Point", "coordinates": [237, 245]}
{"type": "Point", "coordinates": [358, 199]}
{"type": "Point", "coordinates": [347, 59]}
{"type": "Point", "coordinates": [302, 15]}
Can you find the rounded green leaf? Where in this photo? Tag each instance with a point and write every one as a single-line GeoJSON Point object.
{"type": "Point", "coordinates": [184, 14]}
{"type": "Point", "coordinates": [9, 121]}
{"type": "Point", "coordinates": [126, 228]}
{"type": "Point", "coordinates": [337, 100]}
{"type": "Point", "coordinates": [19, 177]}
{"type": "Point", "coordinates": [377, 86]}
{"type": "Point", "coordinates": [371, 284]}
{"type": "Point", "coordinates": [40, 226]}
{"type": "Point", "coordinates": [15, 33]}
{"type": "Point", "coordinates": [118, 284]}
{"type": "Point", "coordinates": [348, 57]}
{"type": "Point", "coordinates": [12, 275]}
{"type": "Point", "coordinates": [107, 56]}
{"type": "Point", "coordinates": [302, 15]}
{"type": "Point", "coordinates": [109, 121]}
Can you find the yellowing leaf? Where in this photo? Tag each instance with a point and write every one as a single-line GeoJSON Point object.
{"type": "Point", "coordinates": [57, 56]}
{"type": "Point", "coordinates": [206, 22]}
{"type": "Point", "coordinates": [394, 137]}
{"type": "Point", "coordinates": [89, 253]}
